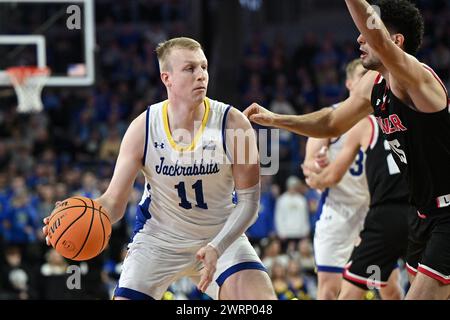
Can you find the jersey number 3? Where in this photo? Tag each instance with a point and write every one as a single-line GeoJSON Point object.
{"type": "Point", "coordinates": [198, 187]}
{"type": "Point", "coordinates": [358, 166]}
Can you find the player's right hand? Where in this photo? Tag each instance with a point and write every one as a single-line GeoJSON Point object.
{"type": "Point", "coordinates": [45, 230]}
{"type": "Point", "coordinates": [260, 115]}
{"type": "Point", "coordinates": [46, 220]}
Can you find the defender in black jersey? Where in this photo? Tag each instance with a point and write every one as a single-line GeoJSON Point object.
{"type": "Point", "coordinates": [412, 109]}
{"type": "Point", "coordinates": [384, 238]}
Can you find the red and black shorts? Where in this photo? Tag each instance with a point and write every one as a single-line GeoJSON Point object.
{"type": "Point", "coordinates": [384, 240]}
{"type": "Point", "coordinates": [429, 244]}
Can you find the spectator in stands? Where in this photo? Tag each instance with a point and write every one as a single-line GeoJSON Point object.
{"type": "Point", "coordinates": [305, 257]}
{"type": "Point", "coordinates": [279, 279]}
{"type": "Point", "coordinates": [300, 286]}
{"type": "Point", "coordinates": [53, 277]}
{"type": "Point", "coordinates": [291, 214]}
{"type": "Point", "coordinates": [89, 187]}
{"type": "Point", "coordinates": [61, 191]}
{"type": "Point", "coordinates": [109, 149]}
{"type": "Point", "coordinates": [20, 221]}
{"type": "Point", "coordinates": [272, 252]}
{"type": "Point", "coordinates": [16, 282]}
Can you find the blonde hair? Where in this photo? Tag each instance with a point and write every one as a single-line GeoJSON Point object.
{"type": "Point", "coordinates": [351, 67]}
{"type": "Point", "coordinates": [164, 48]}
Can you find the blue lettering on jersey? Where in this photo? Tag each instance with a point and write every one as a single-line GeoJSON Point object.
{"type": "Point", "coordinates": [194, 170]}
{"type": "Point", "coordinates": [358, 166]}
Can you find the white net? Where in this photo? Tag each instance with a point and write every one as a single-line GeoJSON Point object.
{"type": "Point", "coordinates": [28, 83]}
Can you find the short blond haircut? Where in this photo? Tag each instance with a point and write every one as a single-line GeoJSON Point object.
{"type": "Point", "coordinates": [351, 67]}
{"type": "Point", "coordinates": [164, 48]}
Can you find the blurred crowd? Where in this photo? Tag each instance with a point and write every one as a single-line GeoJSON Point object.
{"type": "Point", "coordinates": [71, 147]}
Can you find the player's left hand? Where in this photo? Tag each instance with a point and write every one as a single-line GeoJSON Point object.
{"type": "Point", "coordinates": [208, 255]}
{"type": "Point", "coordinates": [309, 169]}
{"type": "Point", "coordinates": [310, 176]}
{"type": "Point", "coordinates": [321, 158]}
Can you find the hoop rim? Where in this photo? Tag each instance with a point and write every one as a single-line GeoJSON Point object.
{"type": "Point", "coordinates": [28, 82]}
{"type": "Point", "coordinates": [21, 73]}
{"type": "Point", "coordinates": [27, 70]}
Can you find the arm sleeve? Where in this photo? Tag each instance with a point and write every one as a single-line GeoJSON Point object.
{"type": "Point", "coordinates": [242, 217]}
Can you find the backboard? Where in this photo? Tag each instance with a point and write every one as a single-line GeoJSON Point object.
{"type": "Point", "coordinates": [59, 34]}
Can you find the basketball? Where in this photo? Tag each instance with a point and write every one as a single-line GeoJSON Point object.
{"type": "Point", "coordinates": [79, 228]}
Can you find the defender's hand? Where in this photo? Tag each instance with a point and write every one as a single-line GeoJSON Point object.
{"type": "Point", "coordinates": [259, 115]}
{"type": "Point", "coordinates": [208, 255]}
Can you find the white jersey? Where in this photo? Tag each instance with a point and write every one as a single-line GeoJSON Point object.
{"type": "Point", "coordinates": [352, 190]}
{"type": "Point", "coordinates": [189, 189]}
{"type": "Point", "coordinates": [342, 211]}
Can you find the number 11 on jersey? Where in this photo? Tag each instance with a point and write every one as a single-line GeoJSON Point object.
{"type": "Point", "coordinates": [198, 187]}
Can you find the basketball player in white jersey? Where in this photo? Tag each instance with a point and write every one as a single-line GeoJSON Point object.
{"type": "Point", "coordinates": [188, 225]}
{"type": "Point", "coordinates": [344, 201]}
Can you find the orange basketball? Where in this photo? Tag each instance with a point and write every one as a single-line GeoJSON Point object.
{"type": "Point", "coordinates": [79, 228]}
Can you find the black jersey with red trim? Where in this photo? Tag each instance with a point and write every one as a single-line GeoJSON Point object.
{"type": "Point", "coordinates": [387, 184]}
{"type": "Point", "coordinates": [420, 143]}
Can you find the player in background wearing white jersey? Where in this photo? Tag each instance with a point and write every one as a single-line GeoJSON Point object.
{"type": "Point", "coordinates": [344, 201]}
{"type": "Point", "coordinates": [179, 238]}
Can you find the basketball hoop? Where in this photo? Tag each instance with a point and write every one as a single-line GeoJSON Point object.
{"type": "Point", "coordinates": [28, 83]}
